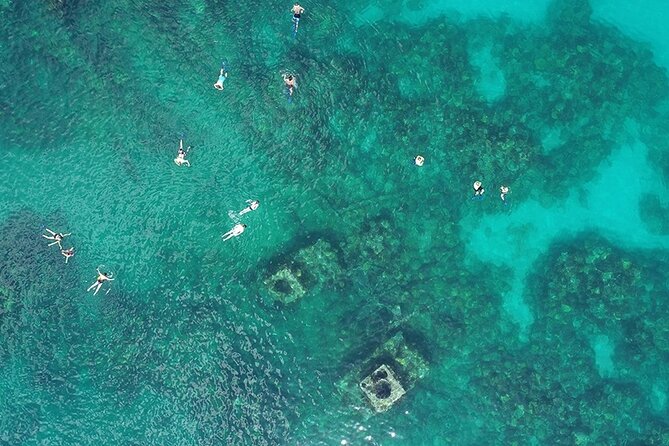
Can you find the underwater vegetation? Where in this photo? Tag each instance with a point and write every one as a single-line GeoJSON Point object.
{"type": "Point", "coordinates": [582, 289]}
{"type": "Point", "coordinates": [38, 326]}
{"type": "Point", "coordinates": [205, 366]}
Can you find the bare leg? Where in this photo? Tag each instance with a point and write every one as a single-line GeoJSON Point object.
{"type": "Point", "coordinates": [57, 242]}
{"type": "Point", "coordinates": [227, 235]}
{"type": "Point", "coordinates": [91, 287]}
{"type": "Point", "coordinates": [98, 288]}
{"type": "Point", "coordinates": [50, 231]}
{"type": "Point", "coordinates": [66, 259]}
{"type": "Point", "coordinates": [187, 163]}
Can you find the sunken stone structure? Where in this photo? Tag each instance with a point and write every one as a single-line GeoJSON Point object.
{"type": "Point", "coordinates": [388, 373]}
{"type": "Point", "coordinates": [382, 388]}
{"type": "Point", "coordinates": [284, 285]}
{"type": "Point", "coordinates": [302, 271]}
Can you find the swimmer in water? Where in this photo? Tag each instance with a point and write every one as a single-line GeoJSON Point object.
{"type": "Point", "coordinates": [478, 190]}
{"type": "Point", "coordinates": [297, 11]}
{"type": "Point", "coordinates": [291, 85]}
{"type": "Point", "coordinates": [56, 236]}
{"type": "Point", "coordinates": [67, 253]}
{"type": "Point", "coordinates": [234, 232]}
{"type": "Point", "coordinates": [102, 277]}
{"type": "Point", "coordinates": [181, 155]}
{"type": "Point", "coordinates": [419, 160]}
{"type": "Point", "coordinates": [221, 78]}
{"type": "Point", "coordinates": [503, 191]}
{"type": "Point", "coordinates": [253, 205]}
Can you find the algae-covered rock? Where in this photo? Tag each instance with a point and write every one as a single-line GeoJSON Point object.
{"type": "Point", "coordinates": [321, 260]}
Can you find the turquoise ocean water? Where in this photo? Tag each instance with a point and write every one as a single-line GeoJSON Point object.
{"type": "Point", "coordinates": [544, 321]}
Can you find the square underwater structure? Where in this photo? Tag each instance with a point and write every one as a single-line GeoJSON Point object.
{"type": "Point", "coordinates": [301, 272]}
{"type": "Point", "coordinates": [384, 377]}
{"type": "Point", "coordinates": [382, 388]}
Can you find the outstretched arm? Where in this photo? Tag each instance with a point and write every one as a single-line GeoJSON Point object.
{"type": "Point", "coordinates": [65, 235]}
{"type": "Point", "coordinates": [181, 144]}
{"type": "Point", "coordinates": [50, 231]}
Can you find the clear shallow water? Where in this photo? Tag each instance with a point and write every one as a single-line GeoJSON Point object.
{"type": "Point", "coordinates": [542, 322]}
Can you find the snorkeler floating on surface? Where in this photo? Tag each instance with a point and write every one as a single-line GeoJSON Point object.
{"type": "Point", "coordinates": [221, 78]}
{"type": "Point", "coordinates": [57, 236]}
{"type": "Point", "coordinates": [253, 205]}
{"type": "Point", "coordinates": [297, 11]}
{"type": "Point", "coordinates": [181, 155]}
{"type": "Point", "coordinates": [234, 232]}
{"type": "Point", "coordinates": [503, 191]}
{"type": "Point", "coordinates": [102, 277]}
{"type": "Point", "coordinates": [291, 84]}
{"type": "Point", "coordinates": [419, 160]}
{"type": "Point", "coordinates": [478, 190]}
{"type": "Point", "coordinates": [67, 253]}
